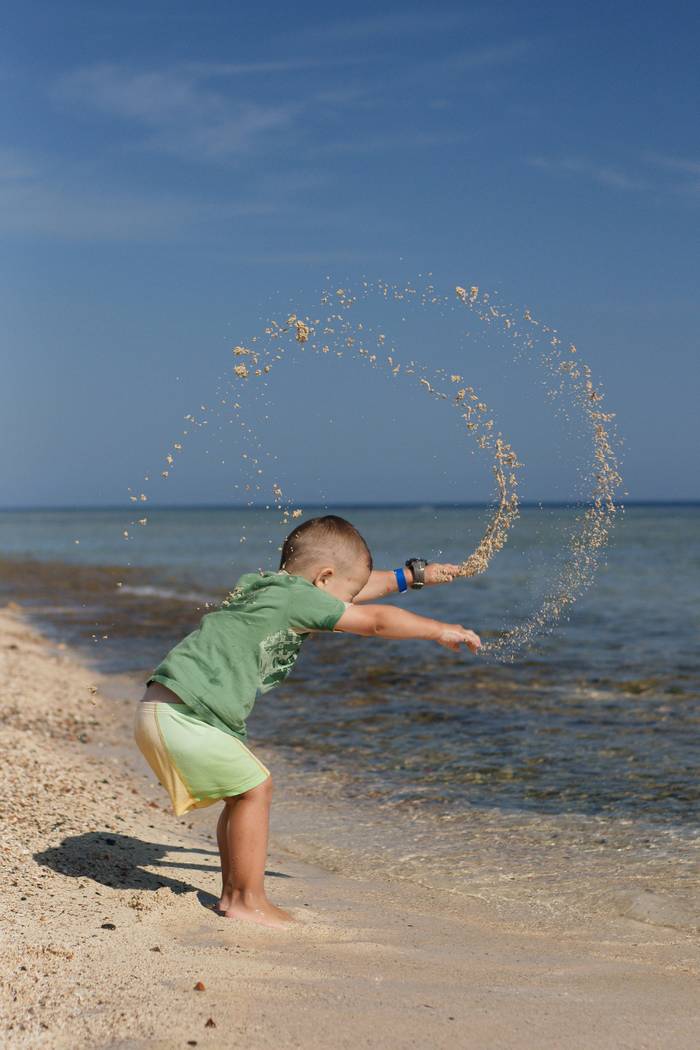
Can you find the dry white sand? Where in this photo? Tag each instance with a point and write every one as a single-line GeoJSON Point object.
{"type": "Point", "coordinates": [106, 928]}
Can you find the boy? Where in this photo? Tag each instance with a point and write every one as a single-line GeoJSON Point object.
{"type": "Point", "coordinates": [190, 724]}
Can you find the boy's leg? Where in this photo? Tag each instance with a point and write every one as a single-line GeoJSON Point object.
{"type": "Point", "coordinates": [222, 842]}
{"type": "Point", "coordinates": [246, 840]}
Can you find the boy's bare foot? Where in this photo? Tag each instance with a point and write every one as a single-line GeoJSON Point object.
{"type": "Point", "coordinates": [251, 909]}
{"type": "Point", "coordinates": [265, 915]}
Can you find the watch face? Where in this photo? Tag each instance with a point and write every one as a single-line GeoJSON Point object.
{"type": "Point", "coordinates": [417, 565]}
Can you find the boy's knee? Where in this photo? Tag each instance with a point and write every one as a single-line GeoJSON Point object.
{"type": "Point", "coordinates": [261, 792]}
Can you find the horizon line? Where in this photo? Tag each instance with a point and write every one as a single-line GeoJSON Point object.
{"type": "Point", "coordinates": [360, 505]}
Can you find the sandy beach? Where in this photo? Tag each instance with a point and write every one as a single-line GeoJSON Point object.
{"type": "Point", "coordinates": [107, 929]}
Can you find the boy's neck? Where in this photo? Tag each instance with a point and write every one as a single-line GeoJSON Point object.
{"type": "Point", "coordinates": [299, 574]}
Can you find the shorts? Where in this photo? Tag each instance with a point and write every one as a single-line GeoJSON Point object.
{"type": "Point", "coordinates": [196, 763]}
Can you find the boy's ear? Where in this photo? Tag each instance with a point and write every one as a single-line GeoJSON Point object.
{"type": "Point", "coordinates": [323, 575]}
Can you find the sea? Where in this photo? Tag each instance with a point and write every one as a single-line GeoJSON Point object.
{"type": "Point", "coordinates": [563, 780]}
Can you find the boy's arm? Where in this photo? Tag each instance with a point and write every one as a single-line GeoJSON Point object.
{"type": "Point", "coordinates": [383, 581]}
{"type": "Point", "coordinates": [386, 621]}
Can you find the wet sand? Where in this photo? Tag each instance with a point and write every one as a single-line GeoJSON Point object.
{"type": "Point", "coordinates": [107, 929]}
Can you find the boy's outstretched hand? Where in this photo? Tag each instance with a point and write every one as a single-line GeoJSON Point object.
{"type": "Point", "coordinates": [439, 572]}
{"type": "Point", "coordinates": [453, 635]}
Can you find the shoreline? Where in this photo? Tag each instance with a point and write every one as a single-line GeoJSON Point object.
{"type": "Point", "coordinates": [90, 844]}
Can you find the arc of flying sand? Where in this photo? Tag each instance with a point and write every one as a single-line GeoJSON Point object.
{"type": "Point", "coordinates": [575, 381]}
{"type": "Point", "coordinates": [506, 511]}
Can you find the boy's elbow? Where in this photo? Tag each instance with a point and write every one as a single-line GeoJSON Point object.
{"type": "Point", "coordinates": [378, 622]}
{"type": "Point", "coordinates": [365, 620]}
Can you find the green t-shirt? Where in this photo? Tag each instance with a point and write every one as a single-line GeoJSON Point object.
{"type": "Point", "coordinates": [247, 646]}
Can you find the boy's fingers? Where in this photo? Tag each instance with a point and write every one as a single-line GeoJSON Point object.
{"type": "Point", "coordinates": [441, 572]}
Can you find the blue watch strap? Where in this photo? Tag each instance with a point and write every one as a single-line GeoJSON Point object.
{"type": "Point", "coordinates": [401, 580]}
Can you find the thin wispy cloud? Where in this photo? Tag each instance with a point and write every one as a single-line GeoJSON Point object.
{"type": "Point", "coordinates": [490, 55]}
{"type": "Point", "coordinates": [178, 114]}
{"type": "Point", "coordinates": [604, 174]}
{"type": "Point", "coordinates": [683, 165]}
{"type": "Point", "coordinates": [659, 174]}
{"type": "Point", "coordinates": [45, 210]}
{"type": "Point", "coordinates": [449, 71]}
{"type": "Point", "coordinates": [42, 201]}
{"type": "Point", "coordinates": [392, 24]}
{"type": "Point", "coordinates": [404, 141]}
{"type": "Point", "coordinates": [211, 70]}
{"type": "Point", "coordinates": [209, 112]}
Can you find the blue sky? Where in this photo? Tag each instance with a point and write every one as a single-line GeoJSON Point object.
{"type": "Point", "coordinates": [171, 174]}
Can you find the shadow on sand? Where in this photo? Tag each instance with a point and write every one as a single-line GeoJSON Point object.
{"type": "Point", "coordinates": [122, 862]}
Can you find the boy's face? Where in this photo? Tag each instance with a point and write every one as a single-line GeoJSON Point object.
{"type": "Point", "coordinates": [342, 584]}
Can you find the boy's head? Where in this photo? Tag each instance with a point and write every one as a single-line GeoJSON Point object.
{"type": "Point", "coordinates": [329, 552]}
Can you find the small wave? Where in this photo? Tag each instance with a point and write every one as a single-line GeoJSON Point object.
{"type": "Point", "coordinates": [148, 591]}
{"type": "Point", "coordinates": [658, 910]}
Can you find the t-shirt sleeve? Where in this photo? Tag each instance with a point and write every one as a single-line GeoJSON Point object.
{"type": "Point", "coordinates": [311, 609]}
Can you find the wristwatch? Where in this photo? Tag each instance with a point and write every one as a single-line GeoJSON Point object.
{"type": "Point", "coordinates": [417, 567]}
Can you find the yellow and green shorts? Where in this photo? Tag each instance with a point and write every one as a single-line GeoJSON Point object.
{"type": "Point", "coordinates": [196, 763]}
